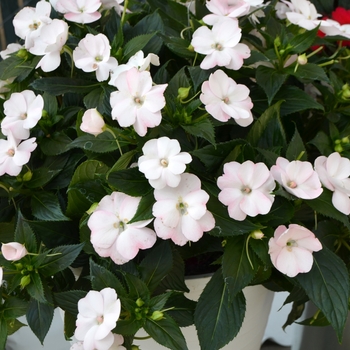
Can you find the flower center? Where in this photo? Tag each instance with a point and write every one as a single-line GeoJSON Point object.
{"type": "Point", "coordinates": [35, 25]}
{"type": "Point", "coordinates": [226, 100]}
{"type": "Point", "coordinates": [11, 152]}
{"type": "Point", "coordinates": [164, 162]}
{"type": "Point", "coordinates": [99, 319]}
{"type": "Point", "coordinates": [82, 9]}
{"type": "Point", "coordinates": [23, 116]}
{"type": "Point", "coordinates": [182, 207]}
{"type": "Point", "coordinates": [246, 190]}
{"type": "Point", "coordinates": [290, 244]}
{"type": "Point", "coordinates": [138, 100]}
{"type": "Point", "coordinates": [218, 46]}
{"type": "Point", "coordinates": [292, 184]}
{"type": "Point", "coordinates": [120, 225]}
{"type": "Point", "coordinates": [98, 58]}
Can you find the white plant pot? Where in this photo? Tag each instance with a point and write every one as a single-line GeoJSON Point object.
{"type": "Point", "coordinates": [258, 301]}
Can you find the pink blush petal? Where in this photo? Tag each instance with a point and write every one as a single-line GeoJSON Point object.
{"type": "Point", "coordinates": [191, 229]}
{"type": "Point", "coordinates": [341, 202]}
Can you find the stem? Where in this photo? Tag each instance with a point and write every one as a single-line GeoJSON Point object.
{"type": "Point", "coordinates": [125, 7]}
{"type": "Point", "coordinates": [201, 117]}
{"type": "Point", "coordinates": [142, 338]}
{"type": "Point", "coordinates": [70, 53]}
{"type": "Point", "coordinates": [191, 98]}
{"type": "Point", "coordinates": [116, 140]}
{"type": "Point", "coordinates": [247, 251]}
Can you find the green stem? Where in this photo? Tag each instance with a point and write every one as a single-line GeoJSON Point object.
{"type": "Point", "coordinates": [126, 2]}
{"type": "Point", "coordinates": [247, 251]}
{"type": "Point", "coordinates": [191, 98]}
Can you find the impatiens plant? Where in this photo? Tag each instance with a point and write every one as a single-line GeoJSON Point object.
{"type": "Point", "coordinates": [144, 141]}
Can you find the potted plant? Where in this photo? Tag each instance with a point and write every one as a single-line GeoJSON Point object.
{"type": "Point", "coordinates": [141, 140]}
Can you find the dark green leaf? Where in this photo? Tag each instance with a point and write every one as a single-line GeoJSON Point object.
{"type": "Point", "coordinates": [123, 161]}
{"type": "Point", "coordinates": [102, 278]}
{"type": "Point", "coordinates": [236, 269]}
{"type": "Point", "coordinates": [17, 67]}
{"type": "Point", "coordinates": [60, 258]}
{"type": "Point", "coordinates": [14, 307]}
{"type": "Point", "coordinates": [3, 332]}
{"type": "Point", "coordinates": [25, 235]}
{"type": "Point", "coordinates": [68, 301]}
{"type": "Point", "coordinates": [99, 99]}
{"type": "Point", "coordinates": [41, 177]}
{"type": "Point", "coordinates": [156, 265]}
{"type": "Point", "coordinates": [136, 44]}
{"type": "Point", "coordinates": [56, 144]}
{"type": "Point", "coordinates": [296, 149]}
{"type": "Point", "coordinates": [218, 318]}
{"type": "Point", "coordinates": [204, 128]}
{"type": "Point", "coordinates": [270, 81]}
{"type": "Point", "coordinates": [61, 85]}
{"type": "Point", "coordinates": [327, 285]}
{"type": "Point", "coordinates": [166, 332]}
{"type": "Point", "coordinates": [39, 317]}
{"type": "Point", "coordinates": [301, 42]}
{"type": "Point", "coordinates": [35, 288]}
{"type": "Point", "coordinates": [13, 326]}
{"type": "Point", "coordinates": [144, 209]}
{"type": "Point", "coordinates": [323, 143]}
{"type": "Point", "coordinates": [309, 72]}
{"type": "Point", "coordinates": [50, 104]}
{"type": "Point", "coordinates": [198, 76]}
{"type": "Point", "coordinates": [182, 309]}
{"type": "Point", "coordinates": [46, 207]}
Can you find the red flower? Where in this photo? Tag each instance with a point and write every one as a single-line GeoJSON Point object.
{"type": "Point", "coordinates": [341, 15]}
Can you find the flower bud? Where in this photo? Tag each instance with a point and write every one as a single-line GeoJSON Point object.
{"type": "Point", "coordinates": [190, 48]}
{"type": "Point", "coordinates": [22, 53]}
{"type": "Point", "coordinates": [27, 176]}
{"type": "Point", "coordinates": [345, 93]}
{"type": "Point", "coordinates": [302, 59]}
{"type": "Point", "coordinates": [157, 316]}
{"type": "Point", "coordinates": [183, 92]}
{"type": "Point", "coordinates": [25, 280]}
{"type": "Point", "coordinates": [92, 122]}
{"type": "Point", "coordinates": [139, 302]}
{"type": "Point", "coordinates": [92, 208]}
{"type": "Point", "coordinates": [338, 148]}
{"type": "Point", "coordinates": [345, 140]}
{"type": "Point", "coordinates": [13, 251]}
{"type": "Point", "coordinates": [257, 234]}
{"type": "Point", "coordinates": [1, 275]}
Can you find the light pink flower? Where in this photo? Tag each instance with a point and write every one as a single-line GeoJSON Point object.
{"type": "Point", "coordinates": [224, 99]}
{"type": "Point", "coordinates": [137, 102]}
{"type": "Point", "coordinates": [13, 251]}
{"type": "Point", "coordinates": [13, 155]}
{"type": "Point", "coordinates": [117, 344]}
{"type": "Point", "coordinates": [181, 213]}
{"type": "Point", "coordinates": [97, 317]}
{"type": "Point", "coordinates": [220, 45]}
{"type": "Point", "coordinates": [23, 110]}
{"type": "Point", "coordinates": [302, 13]}
{"type": "Point", "coordinates": [49, 44]}
{"type": "Point", "coordinates": [332, 28]}
{"type": "Point", "coordinates": [246, 189]}
{"type": "Point", "coordinates": [163, 162]}
{"type": "Point", "coordinates": [1, 275]}
{"type": "Point", "coordinates": [291, 249]}
{"type": "Point", "coordinates": [138, 61]}
{"type": "Point", "coordinates": [221, 9]}
{"type": "Point", "coordinates": [334, 173]}
{"type": "Point", "coordinates": [29, 21]}
{"type": "Point", "coordinates": [108, 4]}
{"type": "Point", "coordinates": [79, 11]}
{"type": "Point", "coordinates": [112, 235]}
{"type": "Point", "coordinates": [93, 55]}
{"type": "Point", "coordinates": [92, 122]}
{"type": "Point", "coordinates": [297, 177]}
{"type": "Point", "coordinates": [11, 48]}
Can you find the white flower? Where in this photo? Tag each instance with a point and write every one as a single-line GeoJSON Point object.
{"type": "Point", "coordinates": [246, 189]}
{"type": "Point", "coordinates": [13, 251]}
{"type": "Point", "coordinates": [79, 11]}
{"type": "Point", "coordinates": [224, 99]}
{"type": "Point", "coordinates": [11, 48]}
{"type": "Point", "coordinates": [29, 21]}
{"type": "Point", "coordinates": [137, 102]}
{"type": "Point", "coordinates": [297, 177]}
{"type": "Point", "coordinates": [49, 44]}
{"type": "Point", "coordinates": [181, 213]}
{"type": "Point", "coordinates": [93, 55]}
{"type": "Point", "coordinates": [138, 61]}
{"type": "Point", "coordinates": [220, 45]}
{"type": "Point", "coordinates": [334, 173]}
{"type": "Point", "coordinates": [97, 317]}
{"type": "Point", "coordinates": [303, 13]}
{"type": "Point", "coordinates": [111, 233]}
{"type": "Point", "coordinates": [1, 275]}
{"type": "Point", "coordinates": [14, 155]}
{"type": "Point", "coordinates": [332, 28]}
{"type": "Point", "coordinates": [162, 162]}
{"type": "Point", "coordinates": [92, 122]}
{"type": "Point", "coordinates": [23, 110]}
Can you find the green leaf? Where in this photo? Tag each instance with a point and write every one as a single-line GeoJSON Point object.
{"type": "Point", "coordinates": [56, 144]}
{"type": "Point", "coordinates": [137, 288]}
{"type": "Point", "coordinates": [45, 206]}
{"type": "Point", "coordinates": [268, 130]}
{"type": "Point", "coordinates": [270, 81]}
{"type": "Point", "coordinates": [24, 234]}
{"type": "Point", "coordinates": [156, 265]}
{"type": "Point", "coordinates": [102, 143]}
{"type": "Point", "coordinates": [204, 128]}
{"type": "Point", "coordinates": [102, 278]}
{"type": "Point", "coordinates": [136, 44]}
{"type": "Point", "coordinates": [166, 332]}
{"type": "Point", "coordinates": [236, 269]}
{"type": "Point", "coordinates": [296, 148]}
{"type": "Point", "coordinates": [35, 288]}
{"type": "Point", "coordinates": [218, 317]}
{"type": "Point", "coordinates": [60, 85]}
{"type": "Point", "coordinates": [328, 286]}
{"type": "Point", "coordinates": [14, 307]}
{"type": "Point", "coordinates": [85, 172]}
{"type": "Point", "coordinates": [60, 258]}
{"type": "Point", "coordinates": [182, 309]}
{"type": "Point", "coordinates": [13, 326]}
{"type": "Point", "coordinates": [123, 161]}
{"type": "Point", "coordinates": [144, 209]}
{"type": "Point", "coordinates": [50, 104]}
{"type": "Point", "coordinates": [3, 331]}
{"type": "Point", "coordinates": [17, 67]}
{"type": "Point", "coordinates": [198, 75]}
{"type": "Point", "coordinates": [178, 46]}
{"type": "Point", "coordinates": [301, 42]}
{"type": "Point", "coordinates": [309, 72]}
{"type": "Point", "coordinates": [39, 317]}
{"type": "Point", "coordinates": [323, 205]}
{"type": "Point", "coordinates": [68, 301]}
{"type": "Point", "coordinates": [41, 177]}
{"type": "Point", "coordinates": [99, 99]}
{"type": "Point", "coordinates": [130, 181]}
{"type": "Point", "coordinates": [323, 143]}
{"type": "Point", "coordinates": [295, 100]}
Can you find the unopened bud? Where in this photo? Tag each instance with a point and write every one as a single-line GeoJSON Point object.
{"type": "Point", "coordinates": [25, 280]}
{"type": "Point", "coordinates": [22, 53]}
{"type": "Point", "coordinates": [44, 113]}
{"type": "Point", "coordinates": [345, 91]}
{"type": "Point", "coordinates": [190, 48]}
{"type": "Point", "coordinates": [134, 347]}
{"type": "Point", "coordinates": [338, 148]}
{"type": "Point", "coordinates": [27, 176]}
{"type": "Point", "coordinates": [302, 59]}
{"type": "Point", "coordinates": [139, 302]}
{"type": "Point", "coordinates": [257, 234]}
{"type": "Point", "coordinates": [157, 316]}
{"type": "Point", "coordinates": [92, 208]}
{"type": "Point", "coordinates": [183, 92]}
{"type": "Point", "coordinates": [345, 140]}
